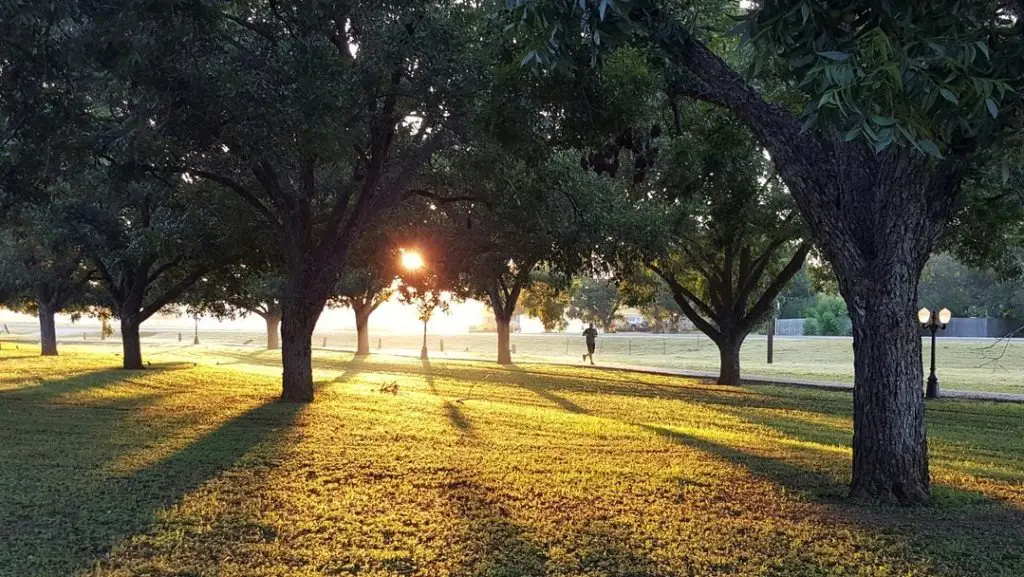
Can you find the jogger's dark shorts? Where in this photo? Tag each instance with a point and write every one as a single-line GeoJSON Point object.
{"type": "Point", "coordinates": [590, 348]}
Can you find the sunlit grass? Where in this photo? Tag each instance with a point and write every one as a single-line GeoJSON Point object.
{"type": "Point", "coordinates": [972, 365]}
{"type": "Point", "coordinates": [193, 468]}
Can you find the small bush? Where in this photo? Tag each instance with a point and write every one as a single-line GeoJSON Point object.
{"type": "Point", "coordinates": [828, 317]}
{"type": "Point", "coordinates": [811, 328]}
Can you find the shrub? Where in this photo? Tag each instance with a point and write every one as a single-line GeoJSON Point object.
{"type": "Point", "coordinates": [828, 317]}
{"type": "Point", "coordinates": [811, 328]}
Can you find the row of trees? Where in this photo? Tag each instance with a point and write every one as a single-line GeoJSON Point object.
{"type": "Point", "coordinates": [273, 157]}
{"type": "Point", "coordinates": [876, 117]}
{"type": "Point", "coordinates": [946, 281]}
{"type": "Point", "coordinates": [599, 301]}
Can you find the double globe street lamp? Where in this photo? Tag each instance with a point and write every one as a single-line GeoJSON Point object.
{"type": "Point", "coordinates": [933, 322]}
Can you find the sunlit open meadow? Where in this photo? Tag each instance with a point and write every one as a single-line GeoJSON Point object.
{"type": "Point", "coordinates": [971, 365]}
{"type": "Point", "coordinates": [403, 467]}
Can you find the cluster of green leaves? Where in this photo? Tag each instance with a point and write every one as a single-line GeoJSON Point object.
{"type": "Point", "coordinates": [514, 213]}
{"type": "Point", "coordinates": [547, 298]}
{"type": "Point", "coordinates": [368, 279]}
{"type": "Point", "coordinates": [987, 228]}
{"type": "Point", "coordinates": [726, 226]}
{"type": "Point", "coordinates": [969, 292]}
{"type": "Point", "coordinates": [828, 317]}
{"type": "Point", "coordinates": [43, 265]}
{"type": "Point", "coordinates": [648, 292]}
{"type": "Point", "coordinates": [798, 296]}
{"type": "Point", "coordinates": [237, 290]}
{"type": "Point", "coordinates": [900, 71]}
{"type": "Point", "coordinates": [151, 238]}
{"type": "Point", "coordinates": [596, 301]}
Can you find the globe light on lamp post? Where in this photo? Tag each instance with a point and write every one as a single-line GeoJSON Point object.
{"type": "Point", "coordinates": [933, 322]}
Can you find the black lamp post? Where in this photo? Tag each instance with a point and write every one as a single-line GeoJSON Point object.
{"type": "Point", "coordinates": [933, 322]}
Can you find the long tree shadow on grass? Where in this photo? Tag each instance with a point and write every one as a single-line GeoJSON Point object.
{"type": "Point", "coordinates": [960, 439]}
{"type": "Point", "coordinates": [631, 385]}
{"type": "Point", "coordinates": [16, 357]}
{"type": "Point", "coordinates": [500, 546]}
{"type": "Point", "coordinates": [813, 483]}
{"type": "Point", "coordinates": [456, 417]}
{"type": "Point", "coordinates": [427, 373]}
{"type": "Point", "coordinates": [353, 369]}
{"type": "Point", "coordinates": [38, 389]}
{"type": "Point", "coordinates": [545, 393]}
{"type": "Point", "coordinates": [74, 512]}
{"type": "Point", "coordinates": [966, 532]}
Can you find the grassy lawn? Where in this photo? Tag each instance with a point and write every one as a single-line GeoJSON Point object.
{"type": "Point", "coordinates": [962, 364]}
{"type": "Point", "coordinates": [192, 469]}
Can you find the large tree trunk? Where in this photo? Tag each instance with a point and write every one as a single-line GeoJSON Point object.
{"type": "Point", "coordinates": [877, 247]}
{"type": "Point", "coordinates": [890, 447]}
{"type": "Point", "coordinates": [504, 349]}
{"type": "Point", "coordinates": [273, 330]}
{"type": "Point", "coordinates": [729, 360]}
{"type": "Point", "coordinates": [297, 324]}
{"type": "Point", "coordinates": [47, 330]}
{"type": "Point", "coordinates": [130, 344]}
{"type": "Point", "coordinates": [363, 329]}
{"type": "Point", "coordinates": [877, 217]}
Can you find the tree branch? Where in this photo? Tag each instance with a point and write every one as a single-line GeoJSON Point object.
{"type": "Point", "coordinates": [171, 294]}
{"type": "Point", "coordinates": [241, 191]}
{"type": "Point", "coordinates": [749, 282]}
{"type": "Point", "coordinates": [162, 269]}
{"type": "Point", "coordinates": [443, 200]}
{"type": "Point", "coordinates": [775, 127]}
{"type": "Point", "coordinates": [111, 285]}
{"type": "Point", "coordinates": [765, 303]}
{"type": "Point", "coordinates": [252, 27]}
{"type": "Point", "coordinates": [687, 301]}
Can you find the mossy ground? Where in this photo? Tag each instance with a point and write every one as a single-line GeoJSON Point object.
{"type": "Point", "coordinates": [471, 469]}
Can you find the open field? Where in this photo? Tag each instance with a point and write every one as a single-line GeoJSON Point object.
{"type": "Point", "coordinates": [192, 469]}
{"type": "Point", "coordinates": [971, 365]}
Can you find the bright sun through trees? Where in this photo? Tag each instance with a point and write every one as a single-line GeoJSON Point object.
{"type": "Point", "coordinates": [411, 260]}
{"type": "Point", "coordinates": [721, 183]}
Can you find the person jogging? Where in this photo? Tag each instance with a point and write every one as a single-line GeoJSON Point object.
{"type": "Point", "coordinates": [591, 336]}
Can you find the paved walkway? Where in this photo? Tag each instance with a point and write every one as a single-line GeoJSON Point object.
{"type": "Point", "coordinates": [828, 385]}
{"type": "Point", "coordinates": [750, 380]}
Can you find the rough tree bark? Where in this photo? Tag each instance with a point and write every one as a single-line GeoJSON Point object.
{"type": "Point", "coordinates": [130, 344]}
{"type": "Point", "coordinates": [877, 217]}
{"type": "Point", "coordinates": [47, 329]}
{"type": "Point", "coordinates": [300, 311]}
{"type": "Point", "coordinates": [504, 298]}
{"type": "Point", "coordinates": [273, 321]}
{"type": "Point", "coordinates": [878, 252]}
{"type": "Point", "coordinates": [504, 338]}
{"type": "Point", "coordinates": [890, 448]}
{"type": "Point", "coordinates": [362, 312]}
{"type": "Point", "coordinates": [729, 346]}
